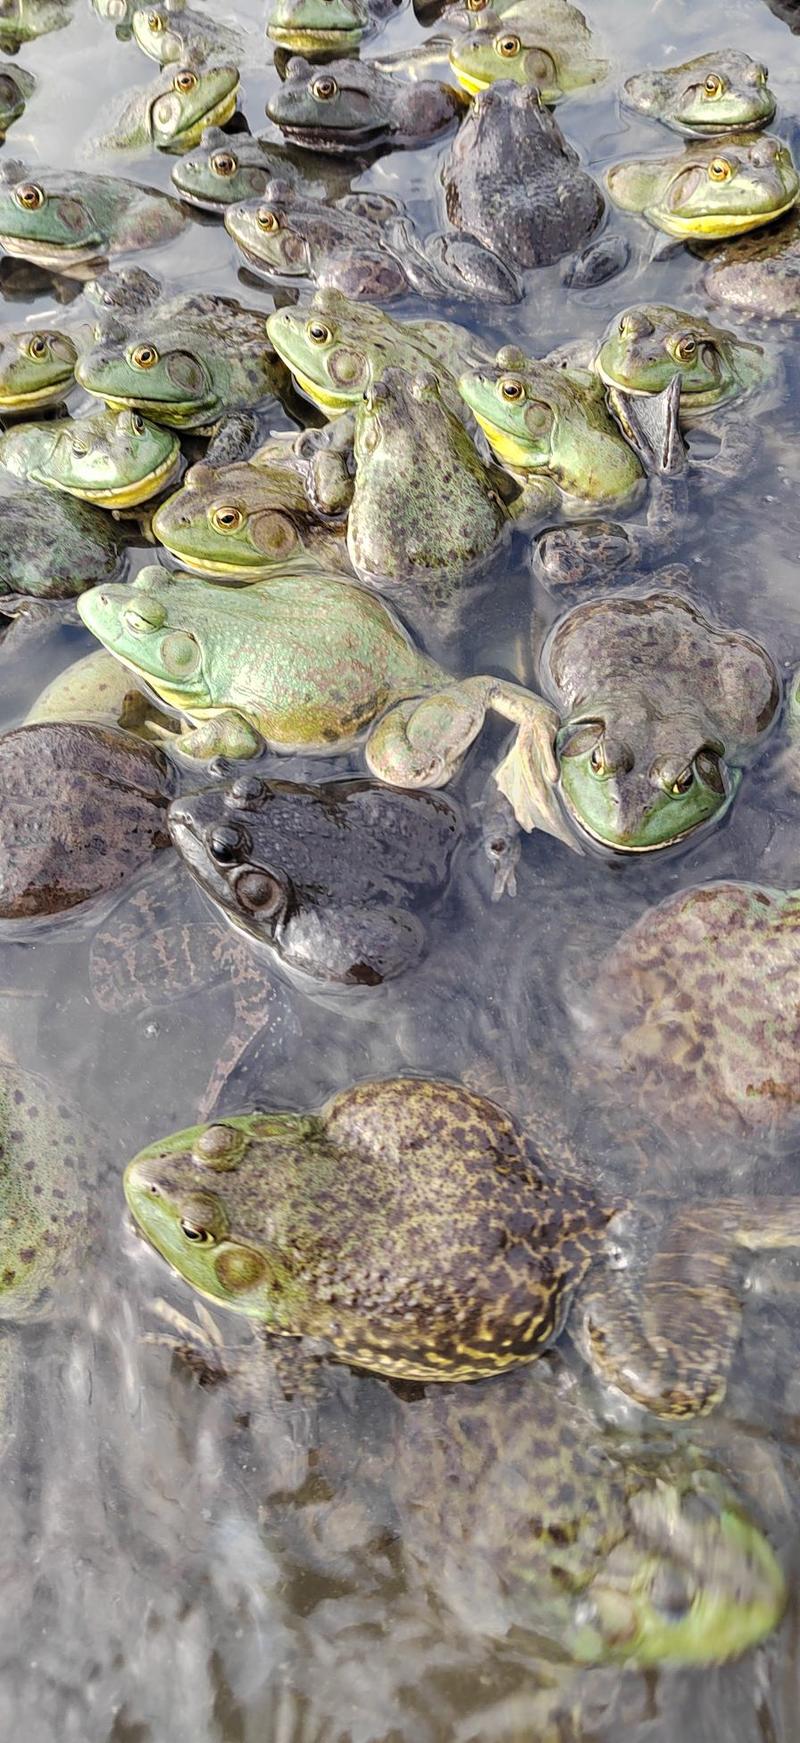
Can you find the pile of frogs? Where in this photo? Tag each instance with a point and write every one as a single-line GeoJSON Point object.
{"type": "Point", "coordinates": [329, 496]}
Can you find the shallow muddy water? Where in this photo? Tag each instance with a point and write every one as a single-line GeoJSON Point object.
{"type": "Point", "coordinates": [176, 1570]}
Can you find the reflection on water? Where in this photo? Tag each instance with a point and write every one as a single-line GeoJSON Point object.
{"type": "Point", "coordinates": [182, 1560]}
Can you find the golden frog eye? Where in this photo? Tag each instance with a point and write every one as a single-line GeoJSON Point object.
{"type": "Point", "coordinates": [324, 89]}
{"type": "Point", "coordinates": [144, 356]}
{"type": "Point", "coordinates": [227, 519]}
{"type": "Point", "coordinates": [195, 1233]}
{"type": "Point", "coordinates": [224, 163]}
{"type": "Point", "coordinates": [137, 424]}
{"type": "Point", "coordinates": [512, 389]}
{"type": "Point", "coordinates": [596, 761]}
{"type": "Point", "coordinates": [267, 220]}
{"type": "Point", "coordinates": [713, 86]}
{"type": "Point", "coordinates": [185, 80]}
{"type": "Point", "coordinates": [29, 196]}
{"type": "Point", "coordinates": [155, 21]}
{"type": "Point", "coordinates": [508, 47]}
{"type": "Point", "coordinates": [683, 782]}
{"type": "Point", "coordinates": [80, 450]}
{"type": "Point", "coordinates": [477, 5]}
{"type": "Point", "coordinates": [318, 333]}
{"type": "Point", "coordinates": [720, 170]}
{"type": "Point", "coordinates": [37, 347]}
{"type": "Point", "coordinates": [686, 348]}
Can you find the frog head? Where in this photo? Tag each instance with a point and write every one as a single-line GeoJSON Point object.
{"type": "Point", "coordinates": [710, 94]}
{"type": "Point", "coordinates": [343, 104]}
{"type": "Point", "coordinates": [229, 521]}
{"type": "Point", "coordinates": [647, 345]}
{"type": "Point", "coordinates": [313, 26]}
{"type": "Point", "coordinates": [334, 348]}
{"type": "Point", "coordinates": [165, 376]}
{"type": "Point", "coordinates": [712, 191]}
{"type": "Point", "coordinates": [634, 784]}
{"type": "Point", "coordinates": [155, 627]}
{"type": "Point", "coordinates": [223, 170]}
{"type": "Point", "coordinates": [220, 834]}
{"type": "Point", "coordinates": [36, 368]}
{"type": "Point", "coordinates": [271, 231]}
{"type": "Point", "coordinates": [186, 99]}
{"type": "Point", "coordinates": [47, 217]}
{"type": "Point", "coordinates": [116, 459]}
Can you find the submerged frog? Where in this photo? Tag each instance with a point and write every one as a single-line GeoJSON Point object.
{"type": "Point", "coordinates": [83, 808]}
{"type": "Point", "coordinates": [16, 87]}
{"type": "Point", "coordinates": [304, 662]}
{"type": "Point", "coordinates": [186, 363]}
{"type": "Point", "coordinates": [115, 459]}
{"type": "Point", "coordinates": [173, 110]}
{"type": "Point", "coordinates": [412, 1229]}
{"type": "Point", "coordinates": [328, 27]}
{"type": "Point", "coordinates": [759, 273]}
{"type": "Point", "coordinates": [696, 1010]}
{"type": "Point", "coordinates": [24, 20]}
{"type": "Point", "coordinates": [37, 368]}
{"type": "Point", "coordinates": [658, 709]}
{"type": "Point", "coordinates": [645, 346]}
{"type": "Point", "coordinates": [184, 37]}
{"type": "Point", "coordinates": [511, 180]}
{"type": "Point", "coordinates": [715, 93]}
{"type": "Point", "coordinates": [327, 876]}
{"type": "Point", "coordinates": [248, 521]}
{"type": "Point", "coordinates": [709, 191]}
{"type": "Point", "coordinates": [52, 546]}
{"type": "Point", "coordinates": [64, 219]}
{"type": "Point", "coordinates": [353, 107]}
{"type": "Point", "coordinates": [548, 45]}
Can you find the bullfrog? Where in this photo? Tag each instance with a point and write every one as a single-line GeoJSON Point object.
{"type": "Point", "coordinates": [511, 180]}
{"type": "Point", "coordinates": [413, 1229]}
{"type": "Point", "coordinates": [550, 426]}
{"type": "Point", "coordinates": [328, 876]}
{"type": "Point", "coordinates": [83, 807]}
{"type": "Point", "coordinates": [184, 37]}
{"type": "Point", "coordinates": [16, 87]}
{"type": "Point", "coordinates": [99, 688]}
{"type": "Point", "coordinates": [353, 107]}
{"type": "Point", "coordinates": [336, 348]}
{"type": "Point", "coordinates": [645, 346]}
{"type": "Point", "coordinates": [716, 93]}
{"type": "Point", "coordinates": [24, 20]}
{"type": "Point", "coordinates": [186, 363]}
{"type": "Point", "coordinates": [37, 368]}
{"type": "Point", "coordinates": [759, 273]}
{"type": "Point", "coordinates": [329, 27]}
{"type": "Point", "coordinates": [710, 190]}
{"type": "Point", "coordinates": [64, 219]}
{"type": "Point", "coordinates": [696, 1006]}
{"type": "Point", "coordinates": [306, 661]}
{"type": "Point", "coordinates": [248, 521]}
{"type": "Point", "coordinates": [115, 459]}
{"type": "Point", "coordinates": [173, 110]}
{"type": "Point", "coordinates": [52, 546]}
{"type": "Point", "coordinates": [426, 511]}
{"type": "Point", "coordinates": [658, 707]}
{"type": "Point", "coordinates": [547, 45]}
{"type": "Point", "coordinates": [226, 168]}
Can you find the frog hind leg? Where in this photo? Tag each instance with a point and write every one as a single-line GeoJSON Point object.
{"type": "Point", "coordinates": [420, 742]}
{"type": "Point", "coordinates": [358, 945]}
{"type": "Point", "coordinates": [225, 734]}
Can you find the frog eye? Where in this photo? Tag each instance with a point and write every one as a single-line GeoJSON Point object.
{"type": "Point", "coordinates": [477, 5]}
{"type": "Point", "coordinates": [247, 790]}
{"type": "Point", "coordinates": [507, 47]}
{"type": "Point", "coordinates": [682, 782]}
{"type": "Point", "coordinates": [227, 843]}
{"type": "Point", "coordinates": [713, 86]}
{"type": "Point", "coordinates": [185, 80]}
{"type": "Point", "coordinates": [147, 615]}
{"type": "Point", "coordinates": [37, 347]}
{"type": "Point", "coordinates": [155, 21]}
{"type": "Point", "coordinates": [511, 389]}
{"type": "Point", "coordinates": [195, 1233]}
{"type": "Point", "coordinates": [708, 765]}
{"type": "Point", "coordinates": [30, 196]}
{"type": "Point", "coordinates": [318, 333]}
{"type": "Point", "coordinates": [143, 356]}
{"type": "Point", "coordinates": [267, 220]}
{"type": "Point", "coordinates": [324, 89]}
{"type": "Point", "coordinates": [224, 163]}
{"type": "Point", "coordinates": [686, 348]}
{"type": "Point", "coordinates": [720, 170]}
{"type": "Point", "coordinates": [80, 449]}
{"type": "Point", "coordinates": [137, 424]}
{"type": "Point", "coordinates": [259, 892]}
{"type": "Point", "coordinates": [227, 519]}
{"type": "Point", "coordinates": [597, 760]}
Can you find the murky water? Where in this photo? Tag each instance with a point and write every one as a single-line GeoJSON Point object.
{"type": "Point", "coordinates": [171, 1571]}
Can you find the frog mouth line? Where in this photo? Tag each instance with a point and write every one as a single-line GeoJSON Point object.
{"type": "Point", "coordinates": [302, 41]}
{"type": "Point", "coordinates": [12, 402]}
{"type": "Point", "coordinates": [690, 400]}
{"type": "Point", "coordinates": [50, 255]}
{"type": "Point", "coordinates": [716, 227]}
{"type": "Point", "coordinates": [216, 116]}
{"type": "Point", "coordinates": [134, 494]}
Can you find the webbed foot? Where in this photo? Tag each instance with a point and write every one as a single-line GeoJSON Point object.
{"type": "Point", "coordinates": [227, 734]}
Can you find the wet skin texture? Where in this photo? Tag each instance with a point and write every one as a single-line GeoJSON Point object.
{"type": "Point", "coordinates": [711, 94]}
{"type": "Point", "coordinates": [63, 220]}
{"type": "Point", "coordinates": [36, 369]}
{"type": "Point", "coordinates": [714, 190]}
{"type": "Point", "coordinates": [351, 106]}
{"type": "Point", "coordinates": [247, 520]}
{"type": "Point", "coordinates": [113, 458]}
{"type": "Point", "coordinates": [172, 111]}
{"type": "Point", "coordinates": [760, 273]}
{"type": "Point", "coordinates": [53, 546]}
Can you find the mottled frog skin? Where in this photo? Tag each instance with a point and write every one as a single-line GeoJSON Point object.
{"type": "Point", "coordinates": [183, 37]}
{"type": "Point", "coordinates": [16, 86]}
{"type": "Point", "coordinates": [63, 219]}
{"type": "Point", "coordinates": [548, 45]}
{"type": "Point", "coordinates": [53, 546]}
{"type": "Point", "coordinates": [24, 20]}
{"type": "Point", "coordinates": [715, 93]}
{"type": "Point", "coordinates": [350, 106]}
{"type": "Point", "coordinates": [712, 190]}
{"type": "Point", "coordinates": [760, 274]}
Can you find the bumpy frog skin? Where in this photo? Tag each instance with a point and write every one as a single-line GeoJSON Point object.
{"type": "Point", "coordinates": [711, 191]}
{"type": "Point", "coordinates": [114, 459]}
{"type": "Point", "coordinates": [46, 1225]}
{"type": "Point", "coordinates": [352, 106]}
{"type": "Point", "coordinates": [696, 1010]}
{"type": "Point", "coordinates": [446, 1250]}
{"type": "Point", "coordinates": [645, 346]}
{"type": "Point", "coordinates": [24, 20]}
{"type": "Point", "coordinates": [53, 546]}
{"type": "Point", "coordinates": [186, 364]}
{"type": "Point", "coordinates": [16, 87]}
{"type": "Point", "coordinates": [37, 368]}
{"type": "Point", "coordinates": [552, 423]}
{"type": "Point", "coordinates": [655, 702]}
{"type": "Point", "coordinates": [318, 26]}
{"type": "Point", "coordinates": [182, 37]}
{"type": "Point", "coordinates": [715, 93]}
{"type": "Point", "coordinates": [760, 273]}
{"type": "Point", "coordinates": [551, 49]}
{"type": "Point", "coordinates": [285, 237]}
{"type": "Point", "coordinates": [327, 875]}
{"type": "Point", "coordinates": [246, 664]}
{"type": "Point", "coordinates": [61, 219]}
{"type": "Point", "coordinates": [246, 521]}
{"type": "Point", "coordinates": [226, 168]}
{"type": "Point", "coordinates": [172, 112]}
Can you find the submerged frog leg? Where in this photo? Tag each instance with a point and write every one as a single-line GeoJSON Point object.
{"type": "Point", "coordinates": [228, 734]}
{"type": "Point", "coordinates": [528, 774]}
{"type": "Point", "coordinates": [253, 995]}
{"type": "Point", "coordinates": [671, 1350]}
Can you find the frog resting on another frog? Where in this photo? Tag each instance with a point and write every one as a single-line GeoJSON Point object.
{"type": "Point", "coordinates": [172, 111]}
{"type": "Point", "coordinates": [717, 93]}
{"type": "Point", "coordinates": [548, 45]}
{"type": "Point", "coordinates": [712, 190]}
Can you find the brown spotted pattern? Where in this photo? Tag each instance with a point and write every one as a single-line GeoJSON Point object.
{"type": "Point", "coordinates": [47, 1163]}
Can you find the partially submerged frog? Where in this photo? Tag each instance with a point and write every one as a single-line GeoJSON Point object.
{"type": "Point", "coordinates": [247, 521]}
{"type": "Point", "coordinates": [16, 87]}
{"type": "Point", "coordinates": [115, 459]}
{"type": "Point", "coordinates": [412, 1229]}
{"type": "Point", "coordinates": [37, 368]}
{"type": "Point", "coordinates": [511, 180]}
{"type": "Point", "coordinates": [226, 168]}
{"type": "Point", "coordinates": [658, 708]}
{"type": "Point", "coordinates": [549, 46]}
{"type": "Point", "coordinates": [645, 346]}
{"type": "Point", "coordinates": [710, 190]}
{"type": "Point", "coordinates": [329, 27]}
{"type": "Point", "coordinates": [173, 110]}
{"type": "Point", "coordinates": [305, 663]}
{"type": "Point", "coordinates": [63, 219]}
{"type": "Point", "coordinates": [184, 37]}
{"type": "Point", "coordinates": [353, 107]}
{"type": "Point", "coordinates": [328, 876]}
{"type": "Point", "coordinates": [759, 273]}
{"type": "Point", "coordinates": [83, 807]}
{"type": "Point", "coordinates": [52, 546]}
{"type": "Point", "coordinates": [97, 688]}
{"type": "Point", "coordinates": [720, 92]}
{"type": "Point", "coordinates": [24, 20]}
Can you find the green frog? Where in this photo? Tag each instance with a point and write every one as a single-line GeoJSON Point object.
{"type": "Point", "coordinates": [548, 45]}
{"type": "Point", "coordinates": [250, 520]}
{"type": "Point", "coordinates": [717, 93]}
{"type": "Point", "coordinates": [226, 168]}
{"type": "Point", "coordinates": [16, 88]}
{"type": "Point", "coordinates": [645, 346]}
{"type": "Point", "coordinates": [184, 37]}
{"type": "Point", "coordinates": [172, 111]}
{"type": "Point", "coordinates": [37, 368]}
{"type": "Point", "coordinates": [63, 220]}
{"type": "Point", "coordinates": [115, 459]}
{"type": "Point", "coordinates": [325, 27]}
{"type": "Point", "coordinates": [353, 107]}
{"type": "Point", "coordinates": [711, 190]}
{"type": "Point", "coordinates": [25, 20]}
{"type": "Point", "coordinates": [305, 662]}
